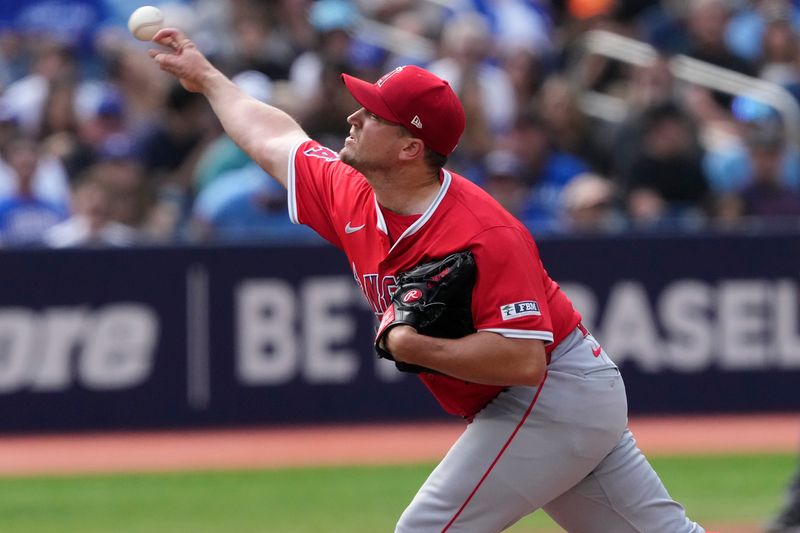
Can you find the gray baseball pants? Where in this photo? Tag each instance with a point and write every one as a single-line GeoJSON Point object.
{"type": "Point", "coordinates": [562, 447]}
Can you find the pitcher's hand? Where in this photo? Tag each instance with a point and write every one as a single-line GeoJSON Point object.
{"type": "Point", "coordinates": [182, 59]}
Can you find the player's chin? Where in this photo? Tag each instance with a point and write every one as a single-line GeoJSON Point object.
{"type": "Point", "coordinates": [349, 159]}
{"type": "Point", "coordinates": [346, 155]}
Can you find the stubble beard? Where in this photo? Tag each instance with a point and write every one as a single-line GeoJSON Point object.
{"type": "Point", "coordinates": [347, 156]}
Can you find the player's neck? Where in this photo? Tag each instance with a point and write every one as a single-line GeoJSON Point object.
{"type": "Point", "coordinates": [407, 195]}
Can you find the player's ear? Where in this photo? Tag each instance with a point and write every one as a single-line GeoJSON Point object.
{"type": "Point", "coordinates": [412, 148]}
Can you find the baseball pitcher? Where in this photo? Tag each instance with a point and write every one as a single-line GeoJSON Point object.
{"type": "Point", "coordinates": [463, 301]}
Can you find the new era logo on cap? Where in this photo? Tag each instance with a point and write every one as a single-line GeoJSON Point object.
{"type": "Point", "coordinates": [416, 99]}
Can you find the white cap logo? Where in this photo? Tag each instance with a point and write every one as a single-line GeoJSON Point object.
{"type": "Point", "coordinates": [388, 75]}
{"type": "Point", "coordinates": [416, 121]}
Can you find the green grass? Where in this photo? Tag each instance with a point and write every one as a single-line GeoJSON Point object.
{"type": "Point", "coordinates": [728, 488]}
{"type": "Point", "coordinates": [723, 489]}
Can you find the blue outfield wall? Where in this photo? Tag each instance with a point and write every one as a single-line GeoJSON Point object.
{"type": "Point", "coordinates": [191, 337]}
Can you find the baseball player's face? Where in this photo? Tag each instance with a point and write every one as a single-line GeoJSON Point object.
{"type": "Point", "coordinates": [373, 144]}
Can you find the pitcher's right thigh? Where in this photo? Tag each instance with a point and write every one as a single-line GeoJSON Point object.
{"type": "Point", "coordinates": [624, 495]}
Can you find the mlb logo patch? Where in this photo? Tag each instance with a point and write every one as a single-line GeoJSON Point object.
{"type": "Point", "coordinates": [519, 309]}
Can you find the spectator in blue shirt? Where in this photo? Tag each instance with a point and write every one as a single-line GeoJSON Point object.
{"type": "Point", "coordinates": [24, 217]}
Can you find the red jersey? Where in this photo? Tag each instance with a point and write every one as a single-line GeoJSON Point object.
{"type": "Point", "coordinates": [513, 294]}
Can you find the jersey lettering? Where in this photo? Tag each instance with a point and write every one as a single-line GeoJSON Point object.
{"type": "Point", "coordinates": [372, 292]}
{"type": "Point", "coordinates": [355, 277]}
{"type": "Point", "coordinates": [389, 288]}
{"type": "Point", "coordinates": [321, 152]}
{"type": "Point", "coordinates": [378, 294]}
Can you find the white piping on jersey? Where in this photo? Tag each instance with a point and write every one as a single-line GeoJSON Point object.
{"type": "Point", "coordinates": [417, 225]}
{"type": "Point", "coordinates": [545, 336]}
{"type": "Point", "coordinates": [290, 184]}
{"type": "Point", "coordinates": [380, 222]}
{"type": "Point", "coordinates": [291, 191]}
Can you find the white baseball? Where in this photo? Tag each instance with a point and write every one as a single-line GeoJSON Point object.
{"type": "Point", "coordinates": [145, 22]}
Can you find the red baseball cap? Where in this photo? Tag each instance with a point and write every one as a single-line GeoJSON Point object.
{"type": "Point", "coordinates": [419, 101]}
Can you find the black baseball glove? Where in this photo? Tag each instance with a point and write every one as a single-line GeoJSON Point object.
{"type": "Point", "coordinates": [435, 299]}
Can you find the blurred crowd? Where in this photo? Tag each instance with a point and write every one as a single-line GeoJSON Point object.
{"type": "Point", "coordinates": [98, 147]}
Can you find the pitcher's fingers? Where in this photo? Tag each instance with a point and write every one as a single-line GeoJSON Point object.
{"type": "Point", "coordinates": [170, 37]}
{"type": "Point", "coordinates": [168, 62]}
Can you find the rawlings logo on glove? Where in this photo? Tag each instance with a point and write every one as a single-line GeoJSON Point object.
{"type": "Point", "coordinates": [435, 299]}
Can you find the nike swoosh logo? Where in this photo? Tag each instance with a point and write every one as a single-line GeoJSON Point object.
{"type": "Point", "coordinates": [352, 229]}
{"type": "Point", "coordinates": [597, 351]}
